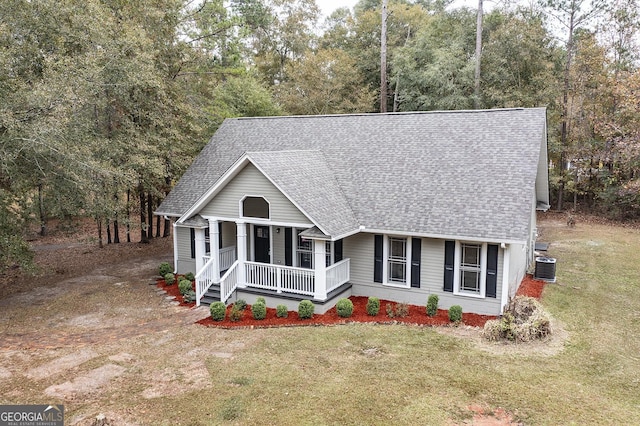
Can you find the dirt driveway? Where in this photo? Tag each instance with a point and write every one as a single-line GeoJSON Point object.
{"type": "Point", "coordinates": [96, 327]}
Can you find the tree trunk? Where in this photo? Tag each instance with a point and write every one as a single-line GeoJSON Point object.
{"type": "Point", "coordinates": [150, 216]}
{"type": "Point", "coordinates": [108, 231]}
{"type": "Point", "coordinates": [383, 58]}
{"type": "Point", "coordinates": [143, 222]}
{"type": "Point", "coordinates": [43, 219]}
{"type": "Point", "coordinates": [128, 212]}
{"type": "Point", "coordinates": [116, 231]}
{"type": "Point", "coordinates": [478, 55]}
{"type": "Point", "coordinates": [99, 222]}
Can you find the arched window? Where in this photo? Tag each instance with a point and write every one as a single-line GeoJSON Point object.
{"type": "Point", "coordinates": [255, 207]}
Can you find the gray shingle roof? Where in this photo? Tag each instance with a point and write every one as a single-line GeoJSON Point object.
{"type": "Point", "coordinates": [456, 174]}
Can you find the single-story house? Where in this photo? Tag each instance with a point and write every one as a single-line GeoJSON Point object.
{"type": "Point", "coordinates": [398, 206]}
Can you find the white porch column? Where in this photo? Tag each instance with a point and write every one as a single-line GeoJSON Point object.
{"type": "Point", "coordinates": [200, 249]}
{"type": "Point", "coordinates": [175, 249]}
{"type": "Point", "coordinates": [320, 268]}
{"type": "Point", "coordinates": [214, 247]}
{"type": "Point", "coordinates": [241, 245]}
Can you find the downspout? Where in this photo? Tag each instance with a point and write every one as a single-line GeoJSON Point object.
{"type": "Point", "coordinates": [175, 248]}
{"type": "Point", "coordinates": [506, 260]}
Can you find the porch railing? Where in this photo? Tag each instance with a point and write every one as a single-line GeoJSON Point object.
{"type": "Point", "coordinates": [205, 279]}
{"type": "Point", "coordinates": [338, 274]}
{"type": "Point", "coordinates": [282, 279]}
{"type": "Point", "coordinates": [227, 257]}
{"type": "Point", "coordinates": [229, 282]}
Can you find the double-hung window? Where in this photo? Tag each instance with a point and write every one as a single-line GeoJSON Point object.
{"type": "Point", "coordinates": [470, 267]}
{"type": "Point", "coordinates": [397, 260]}
{"type": "Point", "coordinates": [305, 253]}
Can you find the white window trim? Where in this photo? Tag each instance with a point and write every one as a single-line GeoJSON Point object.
{"type": "Point", "coordinates": [385, 262]}
{"type": "Point", "coordinates": [483, 270]}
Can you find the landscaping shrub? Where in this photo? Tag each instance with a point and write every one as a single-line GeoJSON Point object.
{"type": "Point", "coordinates": [259, 310]}
{"type": "Point", "coordinates": [344, 308]}
{"type": "Point", "coordinates": [455, 313]}
{"type": "Point", "coordinates": [305, 309]}
{"type": "Point", "coordinates": [261, 300]}
{"type": "Point", "coordinates": [236, 313]}
{"type": "Point", "coordinates": [390, 311]}
{"type": "Point", "coordinates": [189, 276]}
{"type": "Point", "coordinates": [241, 304]}
{"type": "Point", "coordinates": [165, 268]}
{"type": "Point", "coordinates": [402, 310]}
{"type": "Point", "coordinates": [523, 320]}
{"type": "Point", "coordinates": [432, 305]}
{"type": "Point", "coordinates": [169, 278]}
{"type": "Point", "coordinates": [373, 306]}
{"type": "Point", "coordinates": [189, 296]}
{"type": "Point", "coordinates": [282, 311]}
{"type": "Point", "coordinates": [218, 311]}
{"type": "Point", "coordinates": [184, 286]}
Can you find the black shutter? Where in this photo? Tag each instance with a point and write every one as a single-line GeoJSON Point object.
{"type": "Point", "coordinates": [416, 254]}
{"type": "Point", "coordinates": [337, 248]}
{"type": "Point", "coordinates": [377, 259]}
{"type": "Point", "coordinates": [288, 247]}
{"type": "Point", "coordinates": [219, 234]}
{"type": "Point", "coordinates": [207, 245]}
{"type": "Point", "coordinates": [193, 243]}
{"type": "Point", "coordinates": [492, 270]}
{"type": "Point", "coordinates": [449, 258]}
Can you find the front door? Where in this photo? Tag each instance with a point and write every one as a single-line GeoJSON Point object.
{"type": "Point", "coordinates": [261, 244]}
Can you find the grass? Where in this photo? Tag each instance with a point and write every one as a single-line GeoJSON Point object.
{"type": "Point", "coordinates": [372, 374]}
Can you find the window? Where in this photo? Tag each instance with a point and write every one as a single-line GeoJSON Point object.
{"type": "Point", "coordinates": [255, 207]}
{"type": "Point", "coordinates": [470, 267]}
{"type": "Point", "coordinates": [327, 249]}
{"type": "Point", "coordinates": [397, 260]}
{"type": "Point", "coordinates": [304, 253]}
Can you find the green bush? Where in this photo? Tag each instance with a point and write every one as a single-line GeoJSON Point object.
{"type": "Point", "coordinates": [282, 311]}
{"type": "Point", "coordinates": [455, 313]}
{"type": "Point", "coordinates": [189, 296]}
{"type": "Point", "coordinates": [218, 311]}
{"type": "Point", "coordinates": [241, 304]}
{"type": "Point", "coordinates": [261, 300]}
{"type": "Point", "coordinates": [189, 276]}
{"type": "Point", "coordinates": [259, 310]}
{"type": "Point", "coordinates": [432, 305]}
{"type": "Point", "coordinates": [165, 268]}
{"type": "Point", "coordinates": [236, 313]}
{"type": "Point", "coordinates": [305, 309]}
{"type": "Point", "coordinates": [185, 286]}
{"type": "Point", "coordinates": [169, 278]}
{"type": "Point", "coordinates": [344, 308]}
{"type": "Point", "coordinates": [373, 306]}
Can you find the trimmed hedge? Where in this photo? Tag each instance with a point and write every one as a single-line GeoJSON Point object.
{"type": "Point", "coordinates": [432, 305]}
{"type": "Point", "coordinates": [259, 311]}
{"type": "Point", "coordinates": [218, 311]}
{"type": "Point", "coordinates": [455, 313]}
{"type": "Point", "coordinates": [344, 308]}
{"type": "Point", "coordinates": [282, 311]}
{"type": "Point", "coordinates": [189, 276]}
{"type": "Point", "coordinates": [164, 269]}
{"type": "Point", "coordinates": [373, 306]}
{"type": "Point", "coordinates": [305, 309]}
{"type": "Point", "coordinates": [169, 278]}
{"type": "Point", "coordinates": [184, 286]}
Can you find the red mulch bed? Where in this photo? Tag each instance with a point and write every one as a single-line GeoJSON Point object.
{"type": "Point", "coordinates": [172, 290]}
{"type": "Point", "coordinates": [417, 314]}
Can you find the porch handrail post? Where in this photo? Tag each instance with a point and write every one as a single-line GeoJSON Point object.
{"type": "Point", "coordinates": [214, 246]}
{"type": "Point", "coordinates": [320, 269]}
{"type": "Point", "coordinates": [200, 248]}
{"type": "Point", "coordinates": [241, 236]}
{"type": "Point", "coordinates": [279, 273]}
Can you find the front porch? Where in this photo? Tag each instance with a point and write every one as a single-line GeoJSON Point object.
{"type": "Point", "coordinates": [249, 269]}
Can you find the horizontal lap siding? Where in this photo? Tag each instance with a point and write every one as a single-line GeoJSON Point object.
{"type": "Point", "coordinates": [517, 267]}
{"type": "Point", "coordinates": [228, 234]}
{"type": "Point", "coordinates": [278, 246]}
{"type": "Point", "coordinates": [360, 248]}
{"type": "Point", "coordinates": [250, 182]}
{"type": "Point", "coordinates": [185, 262]}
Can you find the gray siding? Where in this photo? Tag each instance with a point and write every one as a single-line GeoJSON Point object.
{"type": "Point", "coordinates": [360, 248]}
{"type": "Point", "coordinates": [185, 262]}
{"type": "Point", "coordinates": [251, 182]}
{"type": "Point", "coordinates": [517, 267]}
{"type": "Point", "coordinates": [228, 234]}
{"type": "Point", "coordinates": [277, 255]}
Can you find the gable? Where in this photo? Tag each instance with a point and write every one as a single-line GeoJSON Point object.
{"type": "Point", "coordinates": [250, 182]}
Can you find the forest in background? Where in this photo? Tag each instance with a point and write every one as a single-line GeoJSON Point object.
{"type": "Point", "coordinates": [105, 103]}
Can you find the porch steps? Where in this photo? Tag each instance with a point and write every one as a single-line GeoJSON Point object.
{"type": "Point", "coordinates": [212, 295]}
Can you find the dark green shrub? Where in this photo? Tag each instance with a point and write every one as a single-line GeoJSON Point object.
{"type": "Point", "coordinates": [185, 286]}
{"type": "Point", "coordinates": [236, 313]}
{"type": "Point", "coordinates": [305, 309]}
{"type": "Point", "coordinates": [432, 305]}
{"type": "Point", "coordinates": [455, 313]}
{"type": "Point", "coordinates": [373, 306]}
{"type": "Point", "coordinates": [344, 308]}
{"type": "Point", "coordinates": [282, 311]}
{"type": "Point", "coordinates": [189, 296]}
{"type": "Point", "coordinates": [241, 304]}
{"type": "Point", "coordinates": [189, 276]}
{"type": "Point", "coordinates": [165, 268]}
{"type": "Point", "coordinates": [169, 278]}
{"type": "Point", "coordinates": [259, 311]}
{"type": "Point", "coordinates": [218, 311]}
{"type": "Point", "coordinates": [261, 300]}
